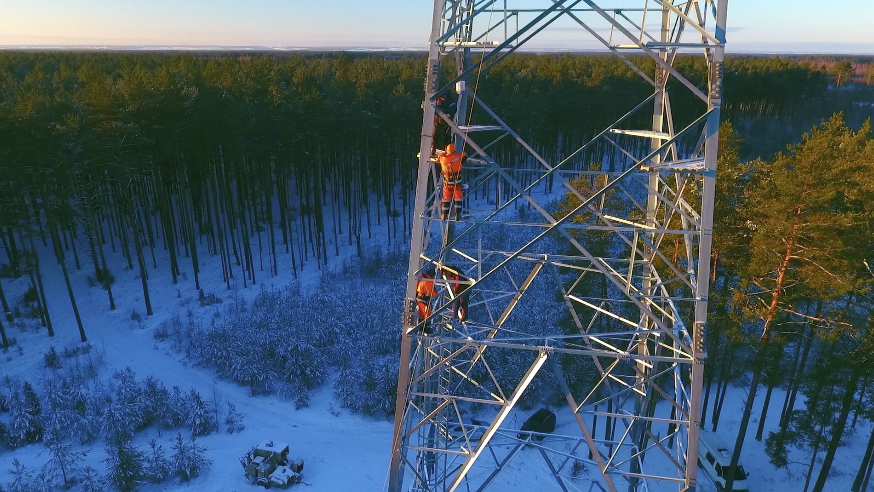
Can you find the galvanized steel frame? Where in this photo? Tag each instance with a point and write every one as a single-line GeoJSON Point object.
{"type": "Point", "coordinates": [643, 334]}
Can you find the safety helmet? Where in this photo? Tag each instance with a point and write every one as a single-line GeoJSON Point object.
{"type": "Point", "coordinates": [428, 271]}
{"type": "Point", "coordinates": [450, 149]}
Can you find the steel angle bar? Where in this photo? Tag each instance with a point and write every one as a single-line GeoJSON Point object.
{"type": "Point", "coordinates": [499, 419]}
{"type": "Point", "coordinates": [661, 63]}
{"type": "Point", "coordinates": [540, 179]}
{"type": "Point", "coordinates": [584, 429]}
{"type": "Point", "coordinates": [508, 43]}
{"type": "Point", "coordinates": [608, 354]}
{"type": "Point", "coordinates": [711, 40]}
{"type": "Point", "coordinates": [457, 27]}
{"type": "Point", "coordinates": [441, 396]}
{"type": "Point", "coordinates": [428, 418]}
{"type": "Point", "coordinates": [553, 470]}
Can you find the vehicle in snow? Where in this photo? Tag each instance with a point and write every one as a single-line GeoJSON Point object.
{"type": "Point", "coordinates": [715, 459]}
{"type": "Point", "coordinates": [267, 465]}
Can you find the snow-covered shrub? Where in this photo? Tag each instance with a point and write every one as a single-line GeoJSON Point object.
{"type": "Point", "coordinates": [25, 425]}
{"type": "Point", "coordinates": [64, 461]}
{"type": "Point", "coordinates": [369, 344]}
{"type": "Point", "coordinates": [156, 397]}
{"type": "Point", "coordinates": [157, 468]}
{"type": "Point", "coordinates": [234, 420]}
{"type": "Point", "coordinates": [126, 414]}
{"type": "Point", "coordinates": [21, 478]}
{"type": "Point", "coordinates": [281, 342]}
{"type": "Point", "coordinates": [201, 416]}
{"type": "Point", "coordinates": [51, 359]}
{"type": "Point", "coordinates": [207, 299]}
{"type": "Point", "coordinates": [124, 466]}
{"type": "Point", "coordinates": [65, 409]}
{"type": "Point", "coordinates": [91, 481]}
{"type": "Point", "coordinates": [76, 349]}
{"type": "Point", "coordinates": [189, 459]}
{"type": "Point", "coordinates": [369, 388]}
{"type": "Point", "coordinates": [172, 330]}
{"type": "Point", "coordinates": [97, 401]}
{"type": "Point", "coordinates": [175, 413]}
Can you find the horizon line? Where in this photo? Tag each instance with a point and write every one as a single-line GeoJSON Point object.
{"type": "Point", "coordinates": [352, 48]}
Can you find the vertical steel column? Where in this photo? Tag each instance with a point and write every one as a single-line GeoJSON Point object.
{"type": "Point", "coordinates": [396, 470]}
{"type": "Point", "coordinates": [711, 151]}
{"type": "Point", "coordinates": [646, 406]}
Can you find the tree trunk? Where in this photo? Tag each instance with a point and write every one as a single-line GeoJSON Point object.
{"type": "Point", "coordinates": [722, 389]}
{"type": "Point", "coordinates": [813, 456]}
{"type": "Point", "coordinates": [100, 272]}
{"type": "Point", "coordinates": [837, 433]}
{"type": "Point", "coordinates": [62, 261]}
{"type": "Point", "coordinates": [789, 403]}
{"type": "Point", "coordinates": [758, 366]}
{"type": "Point", "coordinates": [3, 335]}
{"type": "Point", "coordinates": [764, 414]}
{"type": "Point", "coordinates": [141, 261]}
{"type": "Point", "coordinates": [859, 407]}
{"type": "Point", "coordinates": [6, 309]}
{"type": "Point", "coordinates": [865, 466]}
{"type": "Point", "coordinates": [40, 289]}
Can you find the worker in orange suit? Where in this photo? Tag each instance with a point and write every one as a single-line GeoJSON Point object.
{"type": "Point", "coordinates": [451, 164]}
{"type": "Point", "coordinates": [457, 283]}
{"type": "Point", "coordinates": [426, 292]}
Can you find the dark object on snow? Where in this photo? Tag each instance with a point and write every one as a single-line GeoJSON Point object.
{"type": "Point", "coordinates": [267, 465]}
{"type": "Point", "coordinates": [543, 421]}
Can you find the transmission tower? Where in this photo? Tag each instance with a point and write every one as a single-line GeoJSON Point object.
{"type": "Point", "coordinates": [625, 257]}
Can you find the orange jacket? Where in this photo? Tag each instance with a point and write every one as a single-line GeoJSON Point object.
{"type": "Point", "coordinates": [456, 281]}
{"type": "Point", "coordinates": [451, 165]}
{"type": "Point", "coordinates": [425, 289]}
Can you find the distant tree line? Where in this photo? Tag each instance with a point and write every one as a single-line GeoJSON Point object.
{"type": "Point", "coordinates": [239, 159]}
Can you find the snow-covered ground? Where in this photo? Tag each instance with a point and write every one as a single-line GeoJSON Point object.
{"type": "Point", "coordinates": [342, 451]}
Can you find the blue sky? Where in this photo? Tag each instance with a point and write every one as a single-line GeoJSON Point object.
{"type": "Point", "coordinates": [754, 25]}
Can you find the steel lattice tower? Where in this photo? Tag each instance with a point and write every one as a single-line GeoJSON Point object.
{"type": "Point", "coordinates": [627, 259]}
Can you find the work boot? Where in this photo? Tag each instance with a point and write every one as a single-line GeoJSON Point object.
{"type": "Point", "coordinates": [444, 210]}
{"type": "Point", "coordinates": [458, 210]}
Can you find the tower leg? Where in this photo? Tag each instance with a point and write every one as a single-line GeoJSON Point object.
{"type": "Point", "coordinates": [396, 468]}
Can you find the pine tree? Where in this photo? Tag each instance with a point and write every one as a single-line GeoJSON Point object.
{"type": "Point", "coordinates": [63, 459]}
{"type": "Point", "coordinates": [26, 423]}
{"type": "Point", "coordinates": [201, 418]}
{"type": "Point", "coordinates": [124, 466]}
{"type": "Point", "coordinates": [22, 479]}
{"type": "Point", "coordinates": [91, 481]}
{"type": "Point", "coordinates": [189, 459]}
{"type": "Point", "coordinates": [157, 466]}
{"type": "Point", "coordinates": [804, 212]}
{"type": "Point", "coordinates": [234, 420]}
{"type": "Point", "coordinates": [175, 413]}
